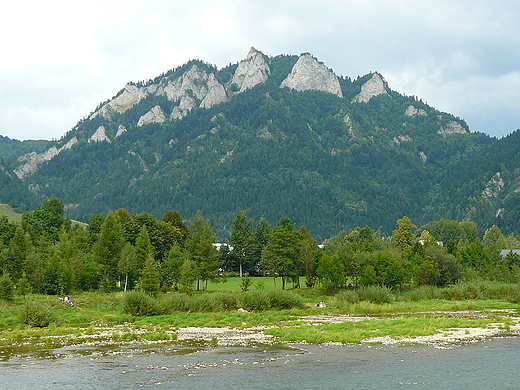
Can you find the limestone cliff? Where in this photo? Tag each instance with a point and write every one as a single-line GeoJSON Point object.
{"type": "Point", "coordinates": [309, 74]}
{"type": "Point", "coordinates": [129, 97]}
{"type": "Point", "coordinates": [186, 104]}
{"type": "Point", "coordinates": [373, 87]}
{"type": "Point", "coordinates": [100, 135]}
{"type": "Point", "coordinates": [30, 162]}
{"type": "Point", "coordinates": [250, 72]}
{"type": "Point", "coordinates": [155, 115]}
{"type": "Point", "coordinates": [121, 130]}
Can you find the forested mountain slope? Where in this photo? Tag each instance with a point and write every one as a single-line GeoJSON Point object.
{"type": "Point", "coordinates": [276, 136]}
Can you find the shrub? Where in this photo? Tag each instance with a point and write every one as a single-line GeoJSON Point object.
{"type": "Point", "coordinates": [36, 314]}
{"type": "Point", "coordinates": [258, 300]}
{"type": "Point", "coordinates": [375, 294]}
{"type": "Point", "coordinates": [345, 298]}
{"type": "Point", "coordinates": [138, 303]}
{"type": "Point", "coordinates": [282, 299]}
{"type": "Point", "coordinates": [421, 293]}
{"type": "Point", "coordinates": [176, 302]}
{"type": "Point", "coordinates": [482, 290]}
{"type": "Point", "coordinates": [254, 300]}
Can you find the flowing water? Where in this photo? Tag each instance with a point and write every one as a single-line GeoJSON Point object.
{"type": "Point", "coordinates": [490, 364]}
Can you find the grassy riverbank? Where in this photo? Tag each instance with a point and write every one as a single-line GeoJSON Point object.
{"type": "Point", "coordinates": [101, 318]}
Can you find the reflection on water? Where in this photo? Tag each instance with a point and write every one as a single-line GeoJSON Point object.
{"type": "Point", "coordinates": [490, 364]}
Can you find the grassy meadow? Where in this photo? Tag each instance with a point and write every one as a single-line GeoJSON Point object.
{"type": "Point", "coordinates": [106, 317]}
{"type": "Point", "coordinates": [12, 215]}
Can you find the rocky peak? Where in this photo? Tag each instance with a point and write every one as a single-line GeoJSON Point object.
{"type": "Point", "coordinates": [197, 82]}
{"type": "Point", "coordinates": [373, 87]}
{"type": "Point", "coordinates": [121, 129]}
{"type": "Point", "coordinates": [155, 115]}
{"type": "Point", "coordinates": [309, 74]}
{"type": "Point", "coordinates": [100, 135]}
{"type": "Point", "coordinates": [252, 71]}
{"type": "Point", "coordinates": [216, 93]}
{"type": "Point", "coordinates": [129, 97]}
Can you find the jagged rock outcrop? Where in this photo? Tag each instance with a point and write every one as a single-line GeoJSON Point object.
{"type": "Point", "coordinates": [309, 74]}
{"type": "Point", "coordinates": [155, 115]}
{"type": "Point", "coordinates": [250, 72]}
{"type": "Point", "coordinates": [100, 135]}
{"type": "Point", "coordinates": [30, 162]}
{"type": "Point", "coordinates": [494, 187]}
{"type": "Point", "coordinates": [348, 123]}
{"type": "Point", "coordinates": [373, 87]}
{"type": "Point", "coordinates": [402, 138]}
{"type": "Point", "coordinates": [129, 97]}
{"type": "Point", "coordinates": [411, 111]}
{"type": "Point", "coordinates": [451, 127]}
{"type": "Point", "coordinates": [186, 104]}
{"type": "Point", "coordinates": [216, 93]}
{"type": "Point", "coordinates": [197, 82]}
{"type": "Point", "coordinates": [120, 130]}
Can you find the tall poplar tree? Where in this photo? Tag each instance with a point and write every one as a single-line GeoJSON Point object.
{"type": "Point", "coordinates": [240, 238]}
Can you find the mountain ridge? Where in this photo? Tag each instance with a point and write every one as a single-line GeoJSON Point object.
{"type": "Point", "coordinates": [331, 152]}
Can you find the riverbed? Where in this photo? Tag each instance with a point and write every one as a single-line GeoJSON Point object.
{"type": "Point", "coordinates": [486, 364]}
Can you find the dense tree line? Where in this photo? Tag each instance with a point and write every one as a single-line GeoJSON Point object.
{"type": "Point", "coordinates": [47, 253]}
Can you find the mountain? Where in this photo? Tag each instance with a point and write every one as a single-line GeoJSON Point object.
{"type": "Point", "coordinates": [275, 136]}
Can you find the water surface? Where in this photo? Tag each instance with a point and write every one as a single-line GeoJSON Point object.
{"type": "Point", "coordinates": [490, 364]}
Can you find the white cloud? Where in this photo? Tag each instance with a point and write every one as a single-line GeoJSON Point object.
{"type": "Point", "coordinates": [62, 58]}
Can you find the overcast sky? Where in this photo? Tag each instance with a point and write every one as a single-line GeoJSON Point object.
{"type": "Point", "coordinates": [60, 59]}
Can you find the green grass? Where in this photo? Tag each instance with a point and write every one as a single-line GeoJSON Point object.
{"type": "Point", "coordinates": [355, 332]}
{"type": "Point", "coordinates": [259, 282]}
{"type": "Point", "coordinates": [12, 215]}
{"type": "Point", "coordinates": [95, 311]}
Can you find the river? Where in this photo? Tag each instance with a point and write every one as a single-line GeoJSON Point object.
{"type": "Point", "coordinates": [488, 364]}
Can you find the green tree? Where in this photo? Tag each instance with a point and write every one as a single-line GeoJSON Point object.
{"type": "Point", "coordinates": [143, 248]}
{"type": "Point", "coordinates": [47, 219]}
{"type": "Point", "coordinates": [172, 267]}
{"type": "Point", "coordinates": [187, 276]}
{"type": "Point", "coordinates": [240, 238]}
{"type": "Point", "coordinates": [403, 238]}
{"type": "Point", "coordinates": [94, 227]}
{"type": "Point", "coordinates": [201, 249]}
{"type": "Point", "coordinates": [174, 218]}
{"type": "Point", "coordinates": [7, 230]}
{"type": "Point", "coordinates": [127, 265]}
{"type": "Point", "coordinates": [259, 241]}
{"type": "Point", "coordinates": [331, 271]}
{"type": "Point", "coordinates": [149, 281]}
{"type": "Point", "coordinates": [15, 256]}
{"type": "Point", "coordinates": [494, 239]}
{"type": "Point", "coordinates": [107, 250]}
{"type": "Point", "coordinates": [310, 254]}
{"type": "Point", "coordinates": [282, 254]}
{"type": "Point", "coordinates": [6, 287]}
